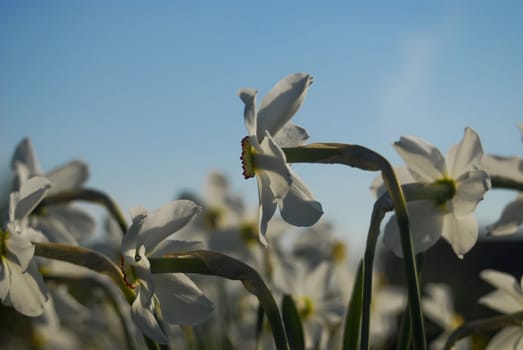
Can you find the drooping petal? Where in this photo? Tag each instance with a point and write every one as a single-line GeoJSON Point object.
{"type": "Point", "coordinates": [248, 96]}
{"type": "Point", "coordinates": [460, 232]}
{"type": "Point", "coordinates": [426, 223]}
{"type": "Point", "coordinates": [182, 302]}
{"type": "Point", "coordinates": [267, 205]}
{"type": "Point", "coordinates": [510, 220]}
{"type": "Point", "coordinates": [27, 292]}
{"type": "Point", "coordinates": [299, 207]}
{"type": "Point", "coordinates": [463, 156]}
{"type": "Point", "coordinates": [281, 103]}
{"type": "Point", "coordinates": [508, 338]}
{"type": "Point", "coordinates": [509, 167]}
{"type": "Point", "coordinates": [291, 135]}
{"type": "Point", "coordinates": [31, 193]}
{"type": "Point", "coordinates": [163, 222]}
{"type": "Point", "coordinates": [68, 176]}
{"type": "Point", "coordinates": [470, 189]}
{"type": "Point", "coordinates": [424, 161]}
{"type": "Point", "coordinates": [25, 154]}
{"type": "Point", "coordinates": [143, 316]}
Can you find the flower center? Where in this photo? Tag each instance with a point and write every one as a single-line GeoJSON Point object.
{"type": "Point", "coordinates": [247, 158]}
{"type": "Point", "coordinates": [451, 189]}
{"type": "Point", "coordinates": [338, 252]}
{"type": "Point", "coordinates": [249, 233]}
{"type": "Point", "coordinates": [3, 239]}
{"type": "Point", "coordinates": [305, 307]}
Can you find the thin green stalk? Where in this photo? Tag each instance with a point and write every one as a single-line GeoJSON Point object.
{"type": "Point", "coordinates": [366, 159]}
{"type": "Point", "coordinates": [506, 183]}
{"type": "Point", "coordinates": [88, 195]}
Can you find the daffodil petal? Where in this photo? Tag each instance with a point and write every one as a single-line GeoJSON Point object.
{"type": "Point", "coordinates": [509, 167]}
{"type": "Point", "coordinates": [30, 195]}
{"type": "Point", "coordinates": [299, 207]}
{"type": "Point", "coordinates": [460, 232]}
{"type": "Point", "coordinates": [267, 205]}
{"type": "Point", "coordinates": [291, 135]}
{"type": "Point", "coordinates": [467, 153]}
{"type": "Point", "coordinates": [5, 280]}
{"type": "Point", "coordinates": [510, 337]}
{"type": "Point", "coordinates": [500, 301]}
{"type": "Point", "coordinates": [281, 103]}
{"type": "Point", "coordinates": [21, 248]}
{"type": "Point", "coordinates": [143, 317]}
{"type": "Point", "coordinates": [68, 176]}
{"type": "Point", "coordinates": [424, 161]}
{"type": "Point", "coordinates": [25, 154]}
{"type": "Point", "coordinates": [469, 191]}
{"type": "Point", "coordinates": [182, 302]}
{"type": "Point", "coordinates": [504, 282]}
{"type": "Point", "coordinates": [248, 96]}
{"type": "Point", "coordinates": [426, 223]}
{"type": "Point", "coordinates": [163, 222]}
{"type": "Point", "coordinates": [129, 240]}
{"type": "Point", "coordinates": [273, 164]}
{"type": "Point", "coordinates": [510, 220]}
{"type": "Point", "coordinates": [27, 292]}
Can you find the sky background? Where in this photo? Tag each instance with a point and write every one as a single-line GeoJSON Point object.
{"type": "Point", "coordinates": [145, 92]}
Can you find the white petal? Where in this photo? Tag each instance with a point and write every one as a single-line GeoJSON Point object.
{"type": "Point", "coordinates": [463, 156]}
{"type": "Point", "coordinates": [25, 154]}
{"type": "Point", "coordinates": [509, 338]}
{"type": "Point", "coordinates": [52, 230]}
{"type": "Point", "coordinates": [460, 232]}
{"type": "Point", "coordinates": [21, 248]}
{"type": "Point", "coordinates": [163, 222]}
{"type": "Point", "coordinates": [182, 302]}
{"type": "Point", "coordinates": [299, 207]}
{"type": "Point", "coordinates": [426, 223]}
{"type": "Point", "coordinates": [281, 103]}
{"type": "Point", "coordinates": [501, 301]}
{"type": "Point", "coordinates": [510, 220]}
{"type": "Point", "coordinates": [28, 293]}
{"type": "Point", "coordinates": [439, 306]}
{"type": "Point", "coordinates": [31, 193]}
{"type": "Point", "coordinates": [424, 161]}
{"type": "Point", "coordinates": [76, 221]}
{"type": "Point", "coordinates": [291, 135]}
{"type": "Point", "coordinates": [470, 189]}
{"type": "Point", "coordinates": [510, 167]}
{"type": "Point", "coordinates": [504, 282]}
{"type": "Point", "coordinates": [267, 205]}
{"type": "Point", "coordinates": [248, 96]}
{"type": "Point", "coordinates": [143, 317]}
{"type": "Point", "coordinates": [69, 176]}
{"type": "Point", "coordinates": [129, 240]}
{"type": "Point", "coordinates": [5, 280]}
{"type": "Point", "coordinates": [274, 165]}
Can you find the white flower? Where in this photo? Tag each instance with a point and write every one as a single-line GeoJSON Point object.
{"type": "Point", "coordinates": [511, 168]}
{"type": "Point", "coordinates": [21, 284]}
{"type": "Point", "coordinates": [60, 223]}
{"type": "Point", "coordinates": [173, 296]}
{"type": "Point", "coordinates": [438, 305]}
{"type": "Point", "coordinates": [269, 129]}
{"type": "Point", "coordinates": [454, 218]}
{"type": "Point", "coordinates": [507, 299]}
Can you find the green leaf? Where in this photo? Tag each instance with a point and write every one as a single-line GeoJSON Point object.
{"type": "Point", "coordinates": [292, 323]}
{"type": "Point", "coordinates": [351, 333]}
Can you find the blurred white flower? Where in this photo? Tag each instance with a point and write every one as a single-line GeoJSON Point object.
{"type": "Point", "coordinates": [438, 306]}
{"type": "Point", "coordinates": [507, 299]}
{"type": "Point", "coordinates": [269, 129]}
{"type": "Point", "coordinates": [511, 168]}
{"type": "Point", "coordinates": [60, 223]}
{"type": "Point", "coordinates": [173, 298]}
{"type": "Point", "coordinates": [21, 284]}
{"type": "Point", "coordinates": [454, 218]}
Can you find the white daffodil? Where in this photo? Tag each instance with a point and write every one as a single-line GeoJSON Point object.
{"type": "Point", "coordinates": [21, 284]}
{"type": "Point", "coordinates": [174, 298]}
{"type": "Point", "coordinates": [59, 223]}
{"type": "Point", "coordinates": [507, 299]}
{"type": "Point", "coordinates": [438, 305]}
{"type": "Point", "coordinates": [454, 218]}
{"type": "Point", "coordinates": [511, 168]}
{"type": "Point", "coordinates": [269, 129]}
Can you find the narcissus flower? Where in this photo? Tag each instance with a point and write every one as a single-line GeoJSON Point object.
{"type": "Point", "coordinates": [454, 218]}
{"type": "Point", "coordinates": [507, 299]}
{"type": "Point", "coordinates": [173, 298]}
{"type": "Point", "coordinates": [21, 284]}
{"type": "Point", "coordinates": [269, 129]}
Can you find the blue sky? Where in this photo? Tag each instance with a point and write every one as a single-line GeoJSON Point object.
{"type": "Point", "coordinates": [146, 92]}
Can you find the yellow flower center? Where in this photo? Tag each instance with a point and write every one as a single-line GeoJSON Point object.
{"type": "Point", "coordinates": [249, 233]}
{"type": "Point", "coordinates": [451, 188]}
{"type": "Point", "coordinates": [247, 158]}
{"type": "Point", "coordinates": [3, 239]}
{"type": "Point", "coordinates": [457, 321]}
{"type": "Point", "coordinates": [339, 251]}
{"type": "Point", "coordinates": [305, 307]}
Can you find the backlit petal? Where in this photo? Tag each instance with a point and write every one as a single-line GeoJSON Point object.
{"type": "Point", "coordinates": [463, 156]}
{"type": "Point", "coordinates": [509, 338]}
{"type": "Point", "coordinates": [28, 293]}
{"type": "Point", "coordinates": [68, 176]}
{"type": "Point", "coordinates": [248, 96]}
{"type": "Point", "coordinates": [291, 135]}
{"type": "Point", "coordinates": [509, 167]}
{"type": "Point", "coordinates": [460, 232]}
{"type": "Point", "coordinates": [510, 220]}
{"type": "Point", "coordinates": [470, 189]}
{"type": "Point", "coordinates": [143, 317]}
{"type": "Point", "coordinates": [31, 193]}
{"type": "Point", "coordinates": [424, 161]}
{"type": "Point", "coordinates": [25, 154]}
{"type": "Point", "coordinates": [299, 207]}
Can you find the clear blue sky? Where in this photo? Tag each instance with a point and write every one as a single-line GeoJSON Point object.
{"type": "Point", "coordinates": [145, 92]}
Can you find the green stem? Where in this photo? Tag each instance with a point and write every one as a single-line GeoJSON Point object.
{"type": "Point", "coordinates": [89, 195]}
{"type": "Point", "coordinates": [506, 183]}
{"type": "Point", "coordinates": [366, 159]}
{"type": "Point", "coordinates": [216, 264]}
